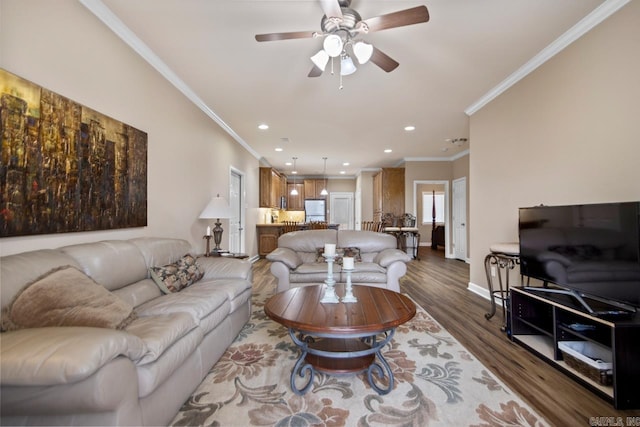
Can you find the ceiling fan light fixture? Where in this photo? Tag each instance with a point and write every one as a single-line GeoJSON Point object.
{"type": "Point", "coordinates": [320, 59]}
{"type": "Point", "coordinates": [333, 45]}
{"type": "Point", "coordinates": [346, 66]}
{"type": "Point", "coordinates": [363, 51]}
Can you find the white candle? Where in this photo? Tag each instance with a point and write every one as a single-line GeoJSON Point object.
{"type": "Point", "coordinates": [347, 263]}
{"type": "Point", "coordinates": [208, 231]}
{"type": "Point", "coordinates": [329, 249]}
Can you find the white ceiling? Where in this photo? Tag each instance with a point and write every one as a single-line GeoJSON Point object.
{"type": "Point", "coordinates": [447, 66]}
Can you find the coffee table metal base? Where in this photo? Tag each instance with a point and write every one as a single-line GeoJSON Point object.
{"type": "Point", "coordinates": [341, 354]}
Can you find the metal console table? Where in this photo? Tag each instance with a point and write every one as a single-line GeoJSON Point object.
{"type": "Point", "coordinates": [502, 258]}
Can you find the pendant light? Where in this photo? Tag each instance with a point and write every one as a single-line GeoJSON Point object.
{"type": "Point", "coordinates": [324, 191]}
{"type": "Point", "coordinates": [294, 192]}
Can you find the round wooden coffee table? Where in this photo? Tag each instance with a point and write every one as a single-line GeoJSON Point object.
{"type": "Point", "coordinates": [340, 338]}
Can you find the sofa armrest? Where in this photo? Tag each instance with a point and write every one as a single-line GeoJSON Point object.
{"type": "Point", "coordinates": [387, 257]}
{"type": "Point", "coordinates": [61, 355]}
{"type": "Point", "coordinates": [286, 256]}
{"type": "Point", "coordinates": [225, 268]}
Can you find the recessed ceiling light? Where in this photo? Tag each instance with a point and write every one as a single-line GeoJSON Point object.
{"type": "Point", "coordinates": [346, 164]}
{"type": "Point", "coordinates": [278, 149]}
{"type": "Point", "coordinates": [263, 126]}
{"type": "Point", "coordinates": [288, 164]}
{"type": "Point", "coordinates": [294, 172]}
{"type": "Point", "coordinates": [342, 172]}
{"type": "Point", "coordinates": [388, 150]}
{"type": "Point", "coordinates": [409, 128]}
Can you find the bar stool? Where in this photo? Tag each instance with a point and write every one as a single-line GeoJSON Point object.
{"type": "Point", "coordinates": [504, 256]}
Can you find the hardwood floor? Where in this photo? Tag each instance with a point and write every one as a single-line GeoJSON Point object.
{"type": "Point", "coordinates": [439, 285]}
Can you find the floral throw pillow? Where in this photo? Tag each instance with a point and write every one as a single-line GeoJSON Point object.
{"type": "Point", "coordinates": [320, 257]}
{"type": "Point", "coordinates": [174, 277]}
{"type": "Point", "coordinates": [353, 252]}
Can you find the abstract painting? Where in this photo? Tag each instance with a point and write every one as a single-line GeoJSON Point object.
{"type": "Point", "coordinates": [65, 167]}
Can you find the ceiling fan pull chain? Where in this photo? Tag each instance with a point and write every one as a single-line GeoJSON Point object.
{"type": "Point", "coordinates": [340, 82]}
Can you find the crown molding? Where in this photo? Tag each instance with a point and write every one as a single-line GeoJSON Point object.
{"type": "Point", "coordinates": [102, 12]}
{"type": "Point", "coordinates": [598, 15]}
{"type": "Point", "coordinates": [438, 159]}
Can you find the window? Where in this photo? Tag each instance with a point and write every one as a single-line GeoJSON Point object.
{"type": "Point", "coordinates": [427, 207]}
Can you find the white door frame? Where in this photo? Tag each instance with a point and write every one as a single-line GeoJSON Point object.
{"type": "Point", "coordinates": [239, 245]}
{"type": "Point", "coordinates": [447, 243]}
{"type": "Point", "coordinates": [459, 228]}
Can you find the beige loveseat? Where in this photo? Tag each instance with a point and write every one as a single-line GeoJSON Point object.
{"type": "Point", "coordinates": [139, 375]}
{"type": "Point", "coordinates": [297, 262]}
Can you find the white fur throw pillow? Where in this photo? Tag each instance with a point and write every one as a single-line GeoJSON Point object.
{"type": "Point", "coordinates": [66, 297]}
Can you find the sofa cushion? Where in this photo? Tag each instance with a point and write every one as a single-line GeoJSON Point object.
{"type": "Point", "coordinates": [112, 263]}
{"type": "Point", "coordinates": [51, 356]}
{"type": "Point", "coordinates": [178, 275]}
{"type": "Point", "coordinates": [158, 333]}
{"type": "Point", "coordinates": [308, 240]}
{"type": "Point", "coordinates": [198, 305]}
{"type": "Point", "coordinates": [237, 291]}
{"type": "Point", "coordinates": [170, 339]}
{"type": "Point", "coordinates": [66, 297]}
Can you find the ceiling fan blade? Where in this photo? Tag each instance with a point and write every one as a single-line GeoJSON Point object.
{"type": "Point", "coordinates": [285, 36]}
{"type": "Point", "coordinates": [331, 8]}
{"type": "Point", "coordinates": [383, 60]}
{"type": "Point", "coordinates": [415, 15]}
{"type": "Point", "coordinates": [315, 72]}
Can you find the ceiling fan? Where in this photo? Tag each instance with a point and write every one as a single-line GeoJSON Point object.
{"type": "Point", "coordinates": [341, 27]}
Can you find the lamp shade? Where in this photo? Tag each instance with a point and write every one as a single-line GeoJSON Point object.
{"type": "Point", "coordinates": [363, 51]}
{"type": "Point", "coordinates": [333, 45]}
{"type": "Point", "coordinates": [320, 59]}
{"type": "Point", "coordinates": [346, 66]}
{"type": "Point", "coordinates": [218, 207]}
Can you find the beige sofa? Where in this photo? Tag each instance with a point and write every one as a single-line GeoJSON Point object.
{"type": "Point", "coordinates": [296, 262]}
{"type": "Point", "coordinates": [139, 375]}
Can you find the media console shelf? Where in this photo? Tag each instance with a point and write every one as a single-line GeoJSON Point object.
{"type": "Point", "coordinates": [540, 320]}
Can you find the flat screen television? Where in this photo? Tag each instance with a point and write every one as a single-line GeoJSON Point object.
{"type": "Point", "coordinates": [590, 251]}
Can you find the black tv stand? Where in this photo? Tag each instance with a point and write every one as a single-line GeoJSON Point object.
{"type": "Point", "coordinates": [543, 317]}
{"type": "Point", "coordinates": [612, 308]}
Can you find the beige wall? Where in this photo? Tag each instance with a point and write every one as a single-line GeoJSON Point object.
{"type": "Point", "coordinates": [61, 46]}
{"type": "Point", "coordinates": [567, 133]}
{"type": "Point", "coordinates": [365, 181]}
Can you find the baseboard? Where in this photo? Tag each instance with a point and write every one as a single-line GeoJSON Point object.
{"type": "Point", "coordinates": [479, 290]}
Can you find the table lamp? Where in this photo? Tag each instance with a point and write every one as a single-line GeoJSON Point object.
{"type": "Point", "coordinates": [217, 208]}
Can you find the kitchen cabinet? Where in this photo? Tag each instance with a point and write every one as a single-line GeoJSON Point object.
{"type": "Point", "coordinates": [313, 188]}
{"type": "Point", "coordinates": [268, 238]}
{"type": "Point", "coordinates": [295, 203]}
{"type": "Point", "coordinates": [388, 193]}
{"type": "Point", "coordinates": [272, 188]}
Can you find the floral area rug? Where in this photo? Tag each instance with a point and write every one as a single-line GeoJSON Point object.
{"type": "Point", "coordinates": [437, 383]}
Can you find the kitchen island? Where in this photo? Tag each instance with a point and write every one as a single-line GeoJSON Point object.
{"type": "Point", "coordinates": [268, 236]}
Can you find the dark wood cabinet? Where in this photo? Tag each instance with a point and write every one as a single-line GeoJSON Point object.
{"type": "Point", "coordinates": [267, 238]}
{"type": "Point", "coordinates": [295, 203]}
{"type": "Point", "coordinates": [388, 193]}
{"type": "Point", "coordinates": [272, 188]}
{"type": "Point", "coordinates": [313, 188]}
{"type": "Point", "coordinates": [541, 320]}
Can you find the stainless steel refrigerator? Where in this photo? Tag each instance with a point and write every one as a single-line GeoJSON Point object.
{"type": "Point", "coordinates": [315, 210]}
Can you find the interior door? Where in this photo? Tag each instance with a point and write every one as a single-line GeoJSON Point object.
{"type": "Point", "coordinates": [341, 210]}
{"type": "Point", "coordinates": [236, 237]}
{"type": "Point", "coordinates": [459, 218]}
